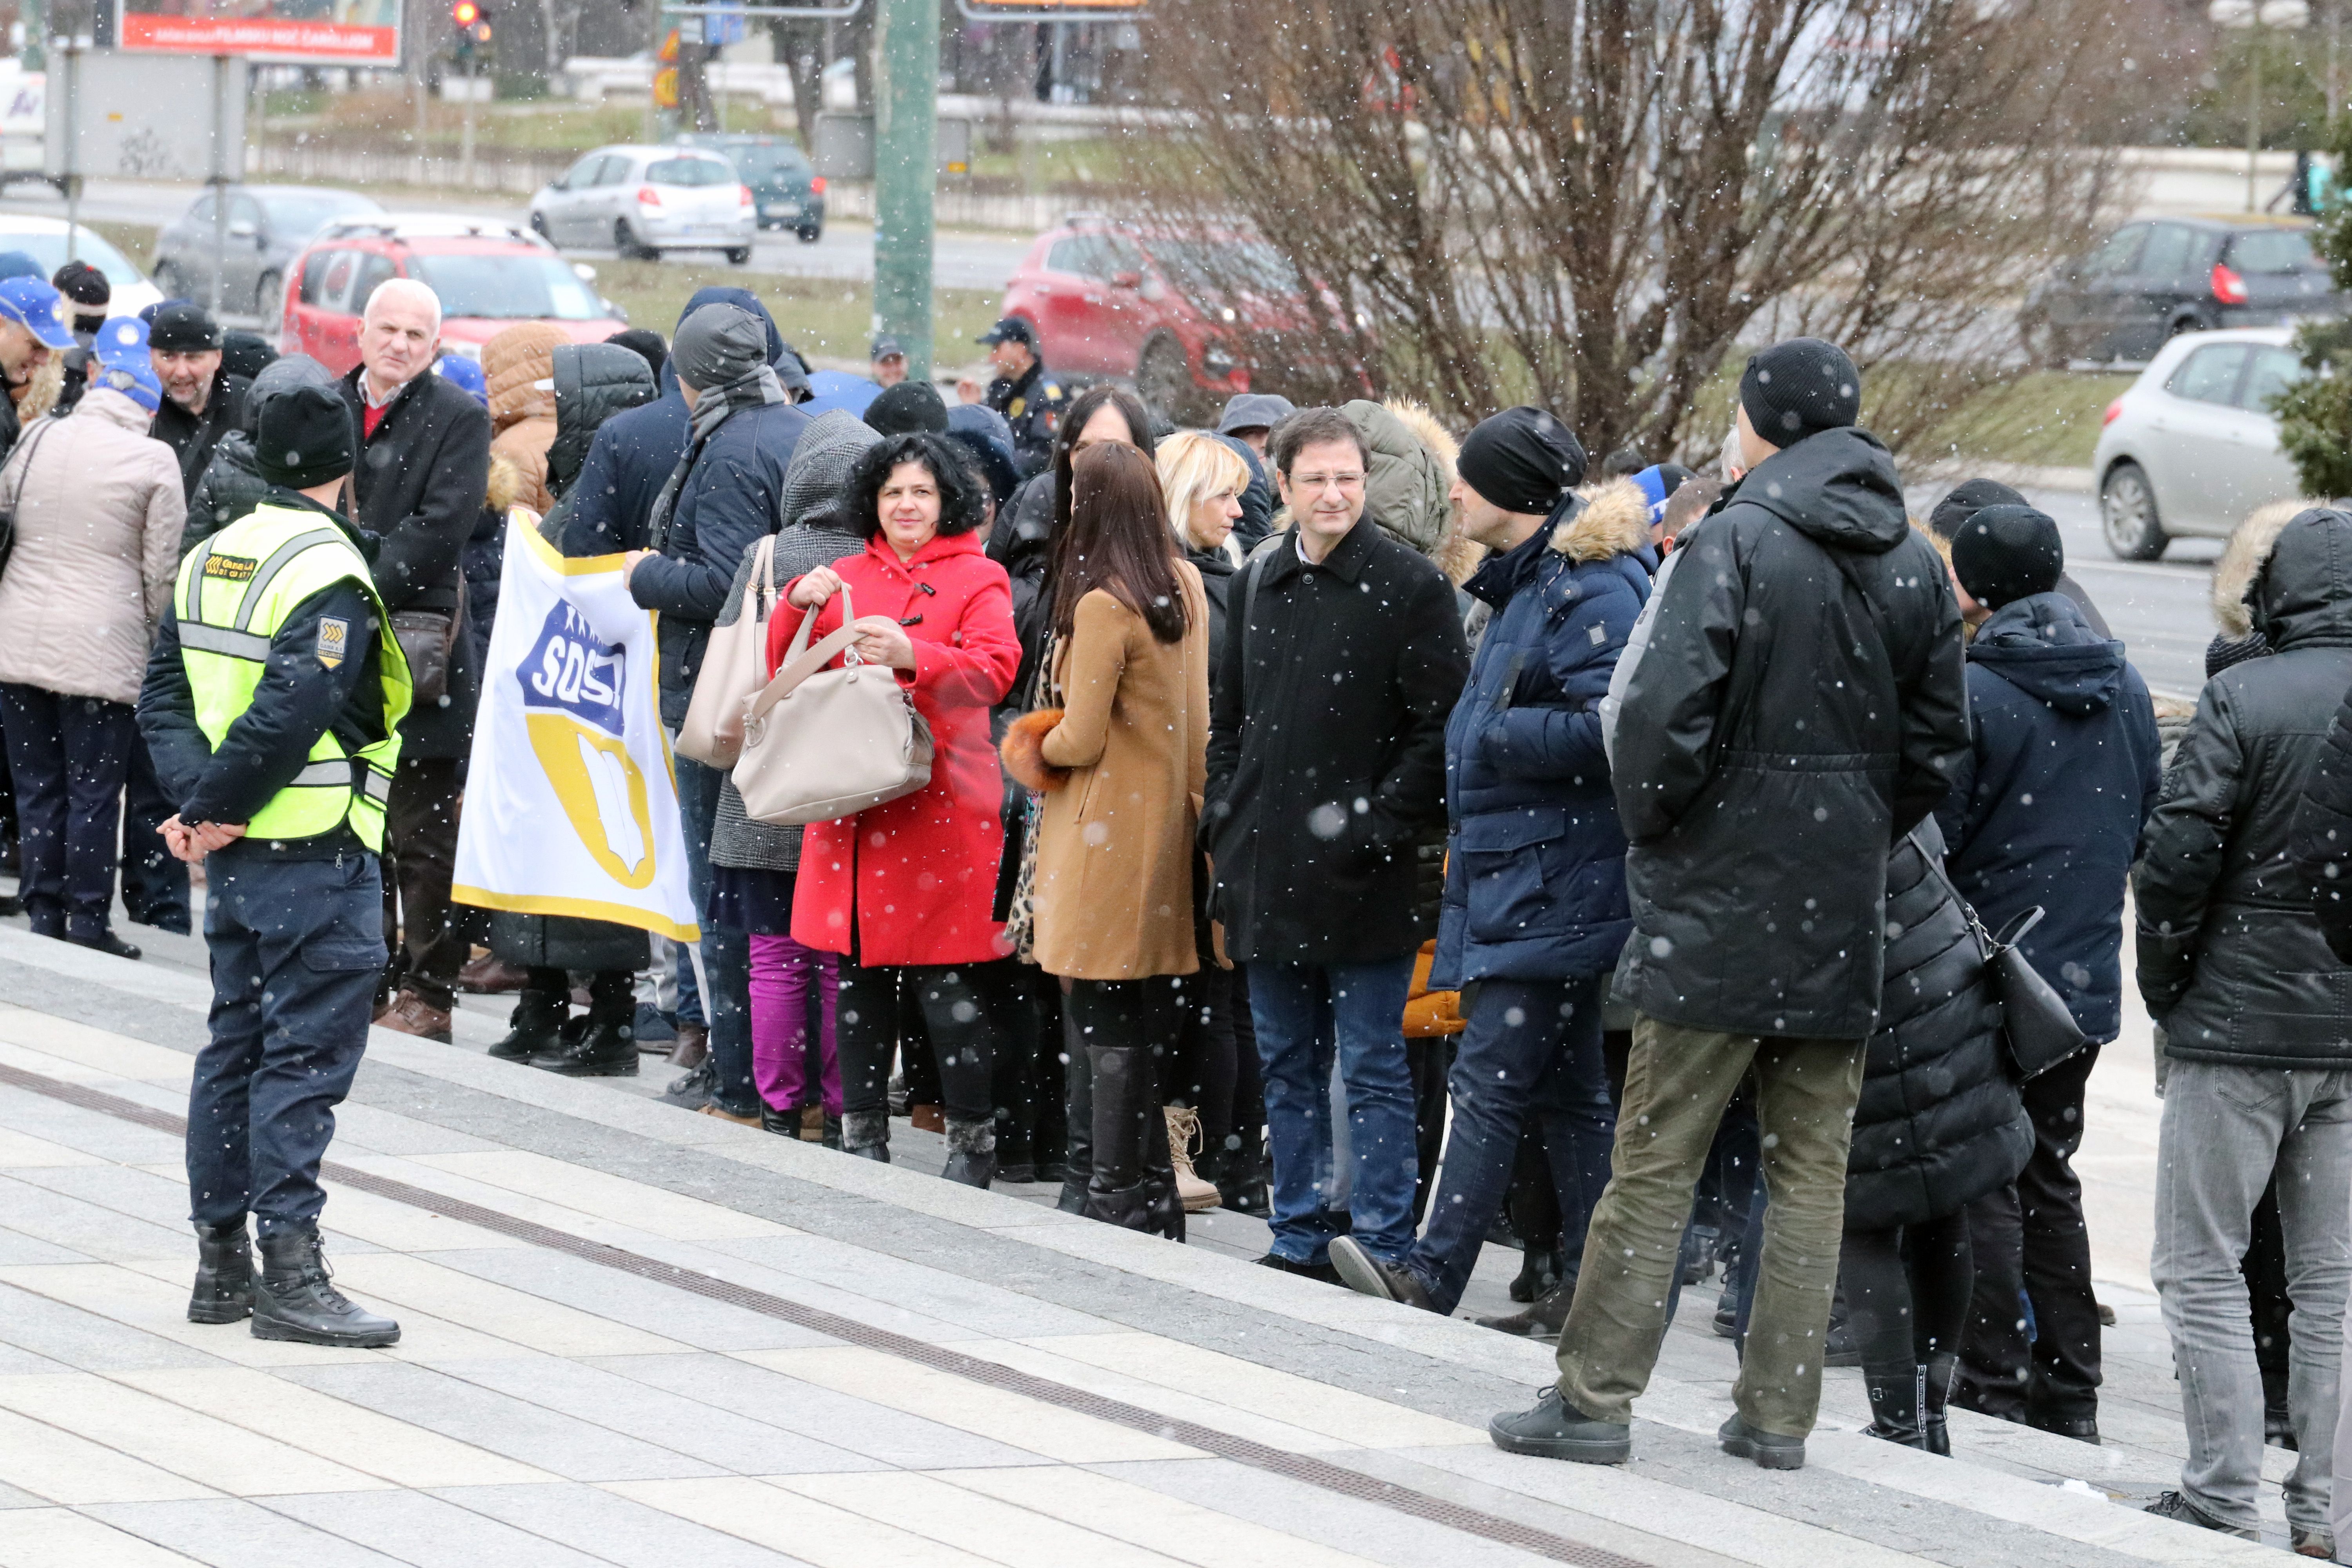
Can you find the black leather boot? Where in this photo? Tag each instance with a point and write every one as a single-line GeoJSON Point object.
{"type": "Point", "coordinates": [1079, 1101]}
{"type": "Point", "coordinates": [531, 1027]}
{"type": "Point", "coordinates": [971, 1152]}
{"type": "Point", "coordinates": [606, 1046]}
{"type": "Point", "coordinates": [1936, 1434]}
{"type": "Point", "coordinates": [299, 1301]}
{"type": "Point", "coordinates": [1539, 1271]}
{"type": "Point", "coordinates": [867, 1134]}
{"type": "Point", "coordinates": [224, 1292]}
{"type": "Point", "coordinates": [1895, 1398]}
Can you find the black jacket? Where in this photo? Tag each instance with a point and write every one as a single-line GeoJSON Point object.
{"type": "Point", "coordinates": [298, 700]}
{"type": "Point", "coordinates": [1327, 750]}
{"type": "Point", "coordinates": [1256, 498]}
{"type": "Point", "coordinates": [1021, 541]}
{"type": "Point", "coordinates": [2047, 808]}
{"type": "Point", "coordinates": [1940, 1124]}
{"type": "Point", "coordinates": [2323, 834]}
{"type": "Point", "coordinates": [733, 496]}
{"type": "Point", "coordinates": [419, 485]}
{"type": "Point", "coordinates": [231, 486]}
{"type": "Point", "coordinates": [1780, 731]}
{"type": "Point", "coordinates": [1031, 404]}
{"type": "Point", "coordinates": [2232, 959]}
{"type": "Point", "coordinates": [193, 437]}
{"type": "Point", "coordinates": [1217, 573]}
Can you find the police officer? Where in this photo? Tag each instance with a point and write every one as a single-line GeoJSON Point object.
{"type": "Point", "coordinates": [273, 707]}
{"type": "Point", "coordinates": [1029, 399]}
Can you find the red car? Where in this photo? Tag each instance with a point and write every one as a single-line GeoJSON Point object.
{"type": "Point", "coordinates": [488, 276]}
{"type": "Point", "coordinates": [1113, 301]}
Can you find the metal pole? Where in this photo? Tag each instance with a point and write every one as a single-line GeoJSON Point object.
{"type": "Point", "coordinates": [417, 48]}
{"type": "Point", "coordinates": [73, 146]}
{"type": "Point", "coordinates": [218, 179]}
{"type": "Point", "coordinates": [35, 14]}
{"type": "Point", "coordinates": [466, 134]}
{"type": "Point", "coordinates": [2335, 10]}
{"type": "Point", "coordinates": [2254, 109]}
{"type": "Point", "coordinates": [906, 163]}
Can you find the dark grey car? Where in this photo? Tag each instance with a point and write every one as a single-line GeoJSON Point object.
{"type": "Point", "coordinates": [2152, 280]}
{"type": "Point", "coordinates": [268, 228]}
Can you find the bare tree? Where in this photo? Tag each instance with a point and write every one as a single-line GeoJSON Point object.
{"type": "Point", "coordinates": [1589, 203]}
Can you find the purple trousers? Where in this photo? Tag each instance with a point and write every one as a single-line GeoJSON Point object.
{"type": "Point", "coordinates": [783, 974]}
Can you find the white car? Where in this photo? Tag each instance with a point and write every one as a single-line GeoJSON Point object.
{"type": "Point", "coordinates": [643, 201]}
{"type": "Point", "coordinates": [2192, 447]}
{"type": "Point", "coordinates": [44, 239]}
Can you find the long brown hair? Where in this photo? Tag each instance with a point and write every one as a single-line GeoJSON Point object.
{"type": "Point", "coordinates": [1119, 540]}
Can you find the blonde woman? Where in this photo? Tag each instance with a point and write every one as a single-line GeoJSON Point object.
{"type": "Point", "coordinates": [1218, 1097]}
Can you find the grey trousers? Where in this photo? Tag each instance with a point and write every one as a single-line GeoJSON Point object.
{"type": "Point", "coordinates": [2226, 1129]}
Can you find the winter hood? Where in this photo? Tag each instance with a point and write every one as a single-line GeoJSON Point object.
{"type": "Point", "coordinates": [1837, 488]}
{"type": "Point", "coordinates": [1613, 520]}
{"type": "Point", "coordinates": [519, 363]}
{"type": "Point", "coordinates": [2043, 645]}
{"type": "Point", "coordinates": [593, 382]}
{"type": "Point", "coordinates": [1411, 470]}
{"type": "Point", "coordinates": [2249, 547]}
{"type": "Point", "coordinates": [723, 295]}
{"type": "Point", "coordinates": [2302, 592]}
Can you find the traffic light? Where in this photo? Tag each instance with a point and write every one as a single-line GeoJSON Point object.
{"type": "Point", "coordinates": [472, 21]}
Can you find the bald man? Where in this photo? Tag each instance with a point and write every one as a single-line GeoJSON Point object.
{"type": "Point", "coordinates": [424, 467]}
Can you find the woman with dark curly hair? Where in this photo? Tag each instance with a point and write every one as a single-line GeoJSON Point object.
{"type": "Point", "coordinates": [907, 884]}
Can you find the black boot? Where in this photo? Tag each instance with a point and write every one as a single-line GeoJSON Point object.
{"type": "Point", "coordinates": [224, 1292]}
{"type": "Point", "coordinates": [971, 1152]}
{"type": "Point", "coordinates": [831, 1133]}
{"type": "Point", "coordinates": [1936, 1434]}
{"type": "Point", "coordinates": [1541, 1319]}
{"type": "Point", "coordinates": [299, 1301]}
{"type": "Point", "coordinates": [1243, 1177]}
{"type": "Point", "coordinates": [607, 1046]}
{"type": "Point", "coordinates": [531, 1027]}
{"type": "Point", "coordinates": [1894, 1400]}
{"type": "Point", "coordinates": [1078, 1110]}
{"type": "Point", "coordinates": [1539, 1271]}
{"type": "Point", "coordinates": [867, 1134]}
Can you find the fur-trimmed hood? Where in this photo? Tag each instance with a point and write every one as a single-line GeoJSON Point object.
{"type": "Point", "coordinates": [1613, 520]}
{"type": "Point", "coordinates": [509, 484]}
{"type": "Point", "coordinates": [2250, 546]}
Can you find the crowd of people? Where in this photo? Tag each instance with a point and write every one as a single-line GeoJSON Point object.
{"type": "Point", "coordinates": [1414, 841]}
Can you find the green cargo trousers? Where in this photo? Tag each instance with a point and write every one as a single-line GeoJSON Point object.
{"type": "Point", "coordinates": [1677, 1083]}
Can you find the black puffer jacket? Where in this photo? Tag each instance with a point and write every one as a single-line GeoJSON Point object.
{"type": "Point", "coordinates": [1940, 1124]}
{"type": "Point", "coordinates": [2232, 959]}
{"type": "Point", "coordinates": [1767, 756]}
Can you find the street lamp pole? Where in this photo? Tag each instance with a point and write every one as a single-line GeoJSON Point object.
{"type": "Point", "coordinates": [906, 163]}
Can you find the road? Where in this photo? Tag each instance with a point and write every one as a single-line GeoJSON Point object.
{"type": "Point", "coordinates": [960, 260]}
{"type": "Point", "coordinates": [2161, 609]}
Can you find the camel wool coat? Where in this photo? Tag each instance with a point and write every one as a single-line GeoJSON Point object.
{"type": "Point", "coordinates": [1115, 853]}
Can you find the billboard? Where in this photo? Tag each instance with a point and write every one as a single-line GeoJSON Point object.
{"type": "Point", "coordinates": [141, 117]}
{"type": "Point", "coordinates": [300, 32]}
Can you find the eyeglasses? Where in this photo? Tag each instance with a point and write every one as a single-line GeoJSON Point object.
{"type": "Point", "coordinates": [1340, 482]}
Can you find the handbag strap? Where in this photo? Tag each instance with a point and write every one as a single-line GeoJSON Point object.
{"type": "Point", "coordinates": [800, 660]}
{"type": "Point", "coordinates": [764, 584]}
{"type": "Point", "coordinates": [47, 423]}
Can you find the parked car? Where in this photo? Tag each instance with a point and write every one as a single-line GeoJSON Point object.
{"type": "Point", "coordinates": [488, 276]}
{"type": "Point", "coordinates": [44, 239]}
{"type": "Point", "coordinates": [786, 190]}
{"type": "Point", "coordinates": [2192, 447]}
{"type": "Point", "coordinates": [1160, 309]}
{"type": "Point", "coordinates": [643, 201]}
{"type": "Point", "coordinates": [268, 228]}
{"type": "Point", "coordinates": [2155, 280]}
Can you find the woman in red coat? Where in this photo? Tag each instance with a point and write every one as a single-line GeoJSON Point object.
{"type": "Point", "coordinates": [908, 885]}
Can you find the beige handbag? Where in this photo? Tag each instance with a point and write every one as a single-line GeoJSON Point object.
{"type": "Point", "coordinates": [822, 744]}
{"type": "Point", "coordinates": [731, 662]}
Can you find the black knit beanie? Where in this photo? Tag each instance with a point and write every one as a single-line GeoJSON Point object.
{"type": "Point", "coordinates": [302, 439]}
{"type": "Point", "coordinates": [2006, 552]}
{"type": "Point", "coordinates": [1521, 460]}
{"type": "Point", "coordinates": [1799, 388]}
{"type": "Point", "coordinates": [183, 328]}
{"type": "Point", "coordinates": [906, 407]}
{"type": "Point", "coordinates": [1964, 500]}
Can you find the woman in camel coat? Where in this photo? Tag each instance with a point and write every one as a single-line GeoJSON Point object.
{"type": "Point", "coordinates": [1124, 756]}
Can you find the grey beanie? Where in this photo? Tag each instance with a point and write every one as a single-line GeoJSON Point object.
{"type": "Point", "coordinates": [816, 483]}
{"type": "Point", "coordinates": [718, 345]}
{"type": "Point", "coordinates": [282, 374]}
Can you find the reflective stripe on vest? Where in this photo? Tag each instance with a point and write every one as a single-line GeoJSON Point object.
{"type": "Point", "coordinates": [235, 591]}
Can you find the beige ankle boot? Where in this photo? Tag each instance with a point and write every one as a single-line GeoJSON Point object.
{"type": "Point", "coordinates": [1183, 1136]}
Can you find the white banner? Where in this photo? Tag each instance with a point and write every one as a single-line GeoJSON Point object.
{"type": "Point", "coordinates": [571, 804]}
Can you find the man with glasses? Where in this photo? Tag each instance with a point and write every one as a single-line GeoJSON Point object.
{"type": "Point", "coordinates": [1327, 758]}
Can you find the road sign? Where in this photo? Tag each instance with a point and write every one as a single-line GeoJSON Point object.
{"type": "Point", "coordinates": [665, 88]}
{"type": "Point", "coordinates": [353, 32]}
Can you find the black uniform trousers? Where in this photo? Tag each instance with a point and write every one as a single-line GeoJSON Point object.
{"type": "Point", "coordinates": [296, 946]}
{"type": "Point", "coordinates": [67, 755]}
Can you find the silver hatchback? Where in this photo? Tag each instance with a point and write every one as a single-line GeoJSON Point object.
{"type": "Point", "coordinates": [643, 201]}
{"type": "Point", "coordinates": [2192, 447]}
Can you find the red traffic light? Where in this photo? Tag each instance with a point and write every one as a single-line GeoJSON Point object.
{"type": "Point", "coordinates": [465, 13]}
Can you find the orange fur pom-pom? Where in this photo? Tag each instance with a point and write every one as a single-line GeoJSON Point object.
{"type": "Point", "coordinates": [1024, 751]}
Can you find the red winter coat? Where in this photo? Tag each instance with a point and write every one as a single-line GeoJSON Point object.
{"type": "Point", "coordinates": [921, 868]}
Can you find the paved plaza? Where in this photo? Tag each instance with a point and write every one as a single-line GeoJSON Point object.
{"type": "Point", "coordinates": [639, 1337]}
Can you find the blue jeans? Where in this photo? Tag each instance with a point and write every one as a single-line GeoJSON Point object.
{"type": "Point", "coordinates": [1532, 1044]}
{"type": "Point", "coordinates": [297, 948]}
{"type": "Point", "coordinates": [1305, 1012]}
{"type": "Point", "coordinates": [726, 954]}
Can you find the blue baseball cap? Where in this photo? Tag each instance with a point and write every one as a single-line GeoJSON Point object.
{"type": "Point", "coordinates": [36, 305]}
{"type": "Point", "coordinates": [466, 374]}
{"type": "Point", "coordinates": [120, 338]}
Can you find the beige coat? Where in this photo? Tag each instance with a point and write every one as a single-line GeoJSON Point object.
{"type": "Point", "coordinates": [521, 411]}
{"type": "Point", "coordinates": [1114, 849]}
{"type": "Point", "coordinates": [97, 540]}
